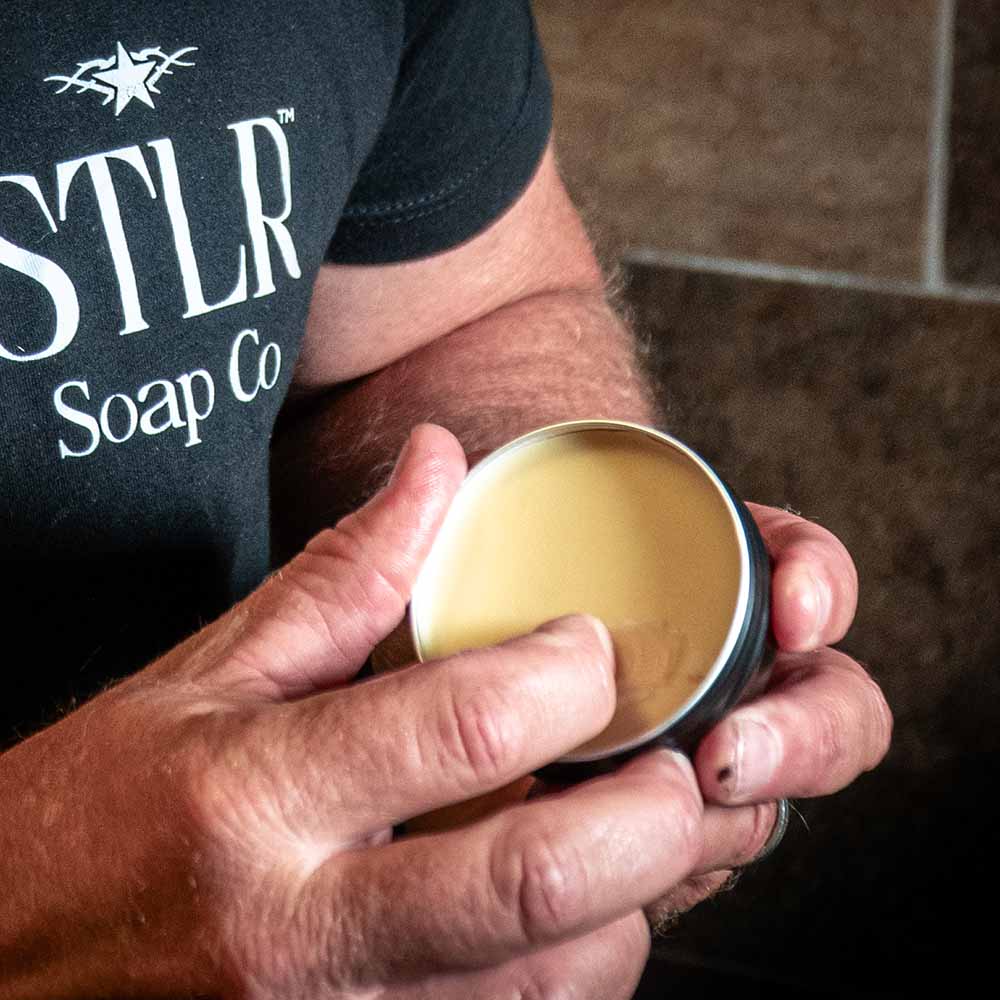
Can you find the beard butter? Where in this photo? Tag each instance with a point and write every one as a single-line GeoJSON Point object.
{"type": "Point", "coordinates": [624, 523]}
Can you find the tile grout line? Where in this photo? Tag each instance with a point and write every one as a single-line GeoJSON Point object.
{"type": "Point", "coordinates": [936, 220]}
{"type": "Point", "coordinates": [795, 274]}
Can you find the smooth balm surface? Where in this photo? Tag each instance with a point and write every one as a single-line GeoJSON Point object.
{"type": "Point", "coordinates": [613, 523]}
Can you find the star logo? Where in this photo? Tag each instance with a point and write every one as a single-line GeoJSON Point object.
{"type": "Point", "coordinates": [129, 80]}
{"type": "Point", "coordinates": [125, 76]}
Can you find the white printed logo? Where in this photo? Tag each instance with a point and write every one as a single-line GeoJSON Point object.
{"type": "Point", "coordinates": [125, 75]}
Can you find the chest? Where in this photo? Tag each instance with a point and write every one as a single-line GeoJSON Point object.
{"type": "Point", "coordinates": [170, 176]}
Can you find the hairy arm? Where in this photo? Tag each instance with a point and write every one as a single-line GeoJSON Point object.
{"type": "Point", "coordinates": [513, 331]}
{"type": "Point", "coordinates": [509, 332]}
{"type": "Point", "coordinates": [550, 357]}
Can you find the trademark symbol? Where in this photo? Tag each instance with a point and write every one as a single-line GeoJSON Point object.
{"type": "Point", "coordinates": [286, 116]}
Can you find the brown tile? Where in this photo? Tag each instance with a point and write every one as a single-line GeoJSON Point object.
{"type": "Point", "coordinates": [790, 131]}
{"type": "Point", "coordinates": [878, 416]}
{"type": "Point", "coordinates": [973, 247]}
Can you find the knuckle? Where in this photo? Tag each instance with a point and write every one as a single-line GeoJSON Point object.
{"type": "Point", "coordinates": [203, 785]}
{"type": "Point", "coordinates": [477, 734]}
{"type": "Point", "coordinates": [542, 882]}
{"type": "Point", "coordinates": [211, 808]}
{"type": "Point", "coordinates": [237, 857]}
{"type": "Point", "coordinates": [219, 813]}
{"type": "Point", "coordinates": [301, 601]}
{"type": "Point", "coordinates": [307, 602]}
{"type": "Point", "coordinates": [871, 713]}
{"type": "Point", "coordinates": [348, 545]}
{"type": "Point", "coordinates": [830, 739]}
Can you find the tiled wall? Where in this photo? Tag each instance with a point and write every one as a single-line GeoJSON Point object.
{"type": "Point", "coordinates": [806, 195]}
{"type": "Point", "coordinates": [786, 132]}
{"type": "Point", "coordinates": [974, 147]}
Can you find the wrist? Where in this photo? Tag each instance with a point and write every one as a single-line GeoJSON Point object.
{"type": "Point", "coordinates": [94, 872]}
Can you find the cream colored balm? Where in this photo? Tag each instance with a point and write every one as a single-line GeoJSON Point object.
{"type": "Point", "coordinates": [611, 519]}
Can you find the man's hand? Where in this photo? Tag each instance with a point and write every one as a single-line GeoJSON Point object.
{"type": "Point", "coordinates": [219, 824]}
{"type": "Point", "coordinates": [821, 722]}
{"type": "Point", "coordinates": [511, 331]}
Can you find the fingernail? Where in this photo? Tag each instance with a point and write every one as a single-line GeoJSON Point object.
{"type": "Point", "coordinates": [812, 594]}
{"type": "Point", "coordinates": [671, 761]}
{"type": "Point", "coordinates": [558, 627]}
{"type": "Point", "coordinates": [755, 759]}
{"type": "Point", "coordinates": [822, 602]}
{"type": "Point", "coordinates": [566, 631]}
{"type": "Point", "coordinates": [603, 635]}
{"type": "Point", "coordinates": [681, 760]}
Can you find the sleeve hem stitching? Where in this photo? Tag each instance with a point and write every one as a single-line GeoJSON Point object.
{"type": "Point", "coordinates": [360, 214]}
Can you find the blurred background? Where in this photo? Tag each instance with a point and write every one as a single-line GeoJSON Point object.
{"type": "Point", "coordinates": [803, 197]}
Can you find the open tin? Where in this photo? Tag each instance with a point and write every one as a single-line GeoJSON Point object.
{"type": "Point", "coordinates": [626, 523]}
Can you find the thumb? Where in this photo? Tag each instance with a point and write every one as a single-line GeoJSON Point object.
{"type": "Point", "coordinates": [313, 624]}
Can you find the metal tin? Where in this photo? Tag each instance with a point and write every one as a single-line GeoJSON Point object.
{"type": "Point", "coordinates": [742, 663]}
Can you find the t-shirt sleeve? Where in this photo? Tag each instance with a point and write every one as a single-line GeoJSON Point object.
{"type": "Point", "coordinates": [469, 120]}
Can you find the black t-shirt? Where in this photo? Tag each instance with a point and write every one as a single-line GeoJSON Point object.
{"type": "Point", "coordinates": [172, 175]}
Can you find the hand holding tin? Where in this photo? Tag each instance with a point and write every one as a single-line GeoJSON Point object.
{"type": "Point", "coordinates": [820, 723]}
{"type": "Point", "coordinates": [222, 819]}
{"type": "Point", "coordinates": [626, 523]}
{"type": "Point", "coordinates": [255, 787]}
{"type": "Point", "coordinates": [822, 720]}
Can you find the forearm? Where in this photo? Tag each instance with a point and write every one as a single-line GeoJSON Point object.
{"type": "Point", "coordinates": [546, 358]}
